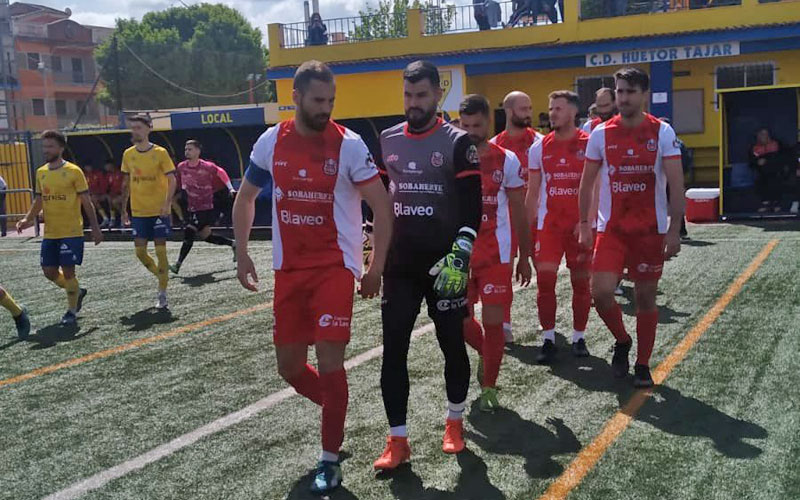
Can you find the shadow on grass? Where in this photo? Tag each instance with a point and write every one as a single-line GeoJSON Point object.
{"type": "Point", "coordinates": [666, 409]}
{"type": "Point", "coordinates": [504, 432]}
{"type": "Point", "coordinates": [147, 318]}
{"type": "Point", "coordinates": [203, 279]}
{"type": "Point", "coordinates": [666, 315]}
{"type": "Point", "coordinates": [49, 336]}
{"type": "Point", "coordinates": [302, 488]}
{"type": "Point", "coordinates": [473, 482]}
{"type": "Point", "coordinates": [697, 243]}
{"type": "Point", "coordinates": [10, 343]}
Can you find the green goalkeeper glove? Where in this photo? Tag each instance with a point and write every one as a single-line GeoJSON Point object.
{"type": "Point", "coordinates": [452, 271]}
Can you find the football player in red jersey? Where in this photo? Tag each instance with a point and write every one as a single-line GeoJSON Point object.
{"type": "Point", "coordinates": [604, 107]}
{"type": "Point", "coordinates": [518, 137]}
{"type": "Point", "coordinates": [491, 265]}
{"type": "Point", "coordinates": [636, 155]}
{"type": "Point", "coordinates": [320, 171]}
{"type": "Point", "coordinates": [556, 164]}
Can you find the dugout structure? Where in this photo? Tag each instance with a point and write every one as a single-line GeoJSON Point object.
{"type": "Point", "coordinates": [742, 111]}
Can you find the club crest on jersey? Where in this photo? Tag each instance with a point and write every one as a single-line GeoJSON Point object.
{"type": "Point", "coordinates": [472, 155]}
{"type": "Point", "coordinates": [651, 145]}
{"type": "Point", "coordinates": [437, 159]}
{"type": "Point", "coordinates": [331, 167]}
{"type": "Point", "coordinates": [497, 176]}
{"type": "Point", "coordinates": [278, 193]}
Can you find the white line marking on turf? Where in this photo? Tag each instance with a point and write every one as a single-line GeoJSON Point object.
{"type": "Point", "coordinates": [102, 478]}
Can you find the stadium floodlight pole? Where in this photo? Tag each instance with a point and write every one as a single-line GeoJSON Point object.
{"type": "Point", "coordinates": [121, 114]}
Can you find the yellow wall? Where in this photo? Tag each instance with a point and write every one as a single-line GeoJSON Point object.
{"type": "Point", "coordinates": [750, 13]}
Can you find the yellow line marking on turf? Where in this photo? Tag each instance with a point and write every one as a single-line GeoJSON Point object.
{"type": "Point", "coordinates": [132, 345]}
{"type": "Point", "coordinates": [591, 454]}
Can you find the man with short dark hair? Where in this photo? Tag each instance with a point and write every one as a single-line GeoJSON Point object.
{"type": "Point", "coordinates": [491, 264]}
{"type": "Point", "coordinates": [150, 183]}
{"type": "Point", "coordinates": [197, 179]}
{"type": "Point", "coordinates": [556, 163]}
{"type": "Point", "coordinates": [320, 172]}
{"type": "Point", "coordinates": [433, 173]}
{"type": "Point", "coordinates": [61, 192]}
{"type": "Point", "coordinates": [636, 156]}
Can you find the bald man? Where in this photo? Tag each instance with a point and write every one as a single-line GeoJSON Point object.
{"type": "Point", "coordinates": [605, 108]}
{"type": "Point", "coordinates": [517, 137]}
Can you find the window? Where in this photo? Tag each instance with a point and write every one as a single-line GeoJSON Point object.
{"type": "Point", "coordinates": [61, 107]}
{"type": "Point", "coordinates": [77, 70]}
{"type": "Point", "coordinates": [55, 63]}
{"type": "Point", "coordinates": [687, 111]}
{"type": "Point", "coordinates": [745, 75]}
{"type": "Point", "coordinates": [33, 60]}
{"type": "Point", "coordinates": [586, 86]}
{"type": "Point", "coordinates": [78, 106]}
{"type": "Point", "coordinates": [38, 107]}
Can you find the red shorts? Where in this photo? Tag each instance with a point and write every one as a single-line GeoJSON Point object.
{"type": "Point", "coordinates": [491, 284]}
{"type": "Point", "coordinates": [643, 255]}
{"type": "Point", "coordinates": [551, 246]}
{"type": "Point", "coordinates": [313, 305]}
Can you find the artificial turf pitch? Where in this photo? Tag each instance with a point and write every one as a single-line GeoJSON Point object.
{"type": "Point", "coordinates": [724, 424]}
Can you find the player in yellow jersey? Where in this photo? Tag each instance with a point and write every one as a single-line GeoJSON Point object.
{"type": "Point", "coordinates": [61, 190]}
{"type": "Point", "coordinates": [19, 313]}
{"type": "Point", "coordinates": [150, 183]}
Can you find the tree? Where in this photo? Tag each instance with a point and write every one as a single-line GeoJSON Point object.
{"type": "Point", "coordinates": [210, 49]}
{"type": "Point", "coordinates": [389, 19]}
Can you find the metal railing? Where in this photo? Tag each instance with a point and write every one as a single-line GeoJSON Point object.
{"type": "Point", "coordinates": [345, 30]}
{"type": "Point", "coordinates": [4, 217]}
{"type": "Point", "coordinates": [479, 16]}
{"type": "Point", "coordinates": [596, 9]}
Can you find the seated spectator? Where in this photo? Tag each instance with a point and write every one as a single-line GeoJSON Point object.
{"type": "Point", "coordinates": [487, 14]}
{"type": "Point", "coordinates": [317, 31]}
{"type": "Point", "coordinates": [768, 158]}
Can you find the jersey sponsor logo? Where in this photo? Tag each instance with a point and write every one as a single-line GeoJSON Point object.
{"type": "Point", "coordinates": [331, 321]}
{"type": "Point", "coordinates": [331, 167]}
{"type": "Point", "coordinates": [491, 289]}
{"type": "Point", "coordinates": [497, 176]}
{"type": "Point", "coordinates": [412, 210]}
{"type": "Point", "coordinates": [411, 168]}
{"type": "Point", "coordinates": [547, 157]}
{"type": "Point", "coordinates": [451, 305]}
{"type": "Point", "coordinates": [489, 199]}
{"type": "Point", "coordinates": [302, 173]}
{"type": "Point", "coordinates": [566, 176]}
{"type": "Point", "coordinates": [628, 187]}
{"type": "Point", "coordinates": [392, 188]}
{"type": "Point", "coordinates": [651, 145]}
{"type": "Point", "coordinates": [420, 187]}
{"type": "Point", "coordinates": [437, 159]}
{"type": "Point", "coordinates": [635, 169]}
{"type": "Point", "coordinates": [560, 191]}
{"type": "Point", "coordinates": [54, 197]}
{"type": "Point", "coordinates": [631, 153]}
{"type": "Point", "coordinates": [649, 268]}
{"type": "Point", "coordinates": [278, 193]}
{"type": "Point", "coordinates": [611, 146]}
{"type": "Point", "coordinates": [281, 163]}
{"type": "Point", "coordinates": [392, 158]}
{"type": "Point", "coordinates": [612, 170]}
{"type": "Point", "coordinates": [292, 219]}
{"type": "Point", "coordinates": [472, 155]}
{"type": "Point", "coordinates": [300, 195]}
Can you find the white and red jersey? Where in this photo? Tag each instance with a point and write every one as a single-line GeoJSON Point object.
{"type": "Point", "coordinates": [519, 145]}
{"type": "Point", "coordinates": [633, 189]}
{"type": "Point", "coordinates": [198, 182]}
{"type": "Point", "coordinates": [316, 206]}
{"type": "Point", "coordinates": [561, 164]}
{"type": "Point", "coordinates": [500, 173]}
{"type": "Point", "coordinates": [592, 124]}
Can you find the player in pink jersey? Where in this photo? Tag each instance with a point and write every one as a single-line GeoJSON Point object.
{"type": "Point", "coordinates": [320, 172]}
{"type": "Point", "coordinates": [198, 178]}
{"type": "Point", "coordinates": [491, 265]}
{"type": "Point", "coordinates": [518, 137]}
{"type": "Point", "coordinates": [556, 164]}
{"type": "Point", "coordinates": [636, 156]}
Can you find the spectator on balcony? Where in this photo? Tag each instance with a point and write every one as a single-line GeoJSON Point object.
{"type": "Point", "coordinates": [614, 8]}
{"type": "Point", "coordinates": [768, 158]}
{"type": "Point", "coordinates": [317, 31]}
{"type": "Point", "coordinates": [522, 8]}
{"type": "Point", "coordinates": [487, 14]}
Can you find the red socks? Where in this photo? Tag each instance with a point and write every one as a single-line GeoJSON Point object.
{"type": "Point", "coordinates": [493, 343]}
{"type": "Point", "coordinates": [307, 384]}
{"type": "Point", "coordinates": [473, 334]}
{"type": "Point", "coordinates": [334, 409]}
{"type": "Point", "coordinates": [546, 298]}
{"type": "Point", "coordinates": [646, 324]}
{"type": "Point", "coordinates": [581, 304]}
{"type": "Point", "coordinates": [507, 313]}
{"type": "Point", "coordinates": [612, 317]}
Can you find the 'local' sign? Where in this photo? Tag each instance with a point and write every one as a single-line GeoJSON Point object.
{"type": "Point", "coordinates": [703, 51]}
{"type": "Point", "coordinates": [218, 118]}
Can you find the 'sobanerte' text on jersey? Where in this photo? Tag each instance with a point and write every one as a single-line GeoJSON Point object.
{"type": "Point", "coordinates": [500, 173]}
{"type": "Point", "coordinates": [633, 189]}
{"type": "Point", "coordinates": [316, 206]}
{"type": "Point", "coordinates": [561, 164]}
{"type": "Point", "coordinates": [422, 171]}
